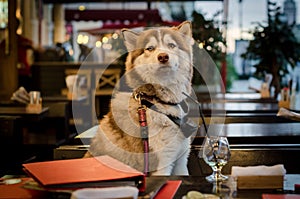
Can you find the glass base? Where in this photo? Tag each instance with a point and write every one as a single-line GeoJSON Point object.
{"type": "Point", "coordinates": [216, 177]}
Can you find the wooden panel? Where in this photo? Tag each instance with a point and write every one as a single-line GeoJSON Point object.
{"type": "Point", "coordinates": [8, 61]}
{"type": "Point", "coordinates": [49, 78]}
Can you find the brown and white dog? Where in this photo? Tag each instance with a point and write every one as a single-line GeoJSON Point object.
{"type": "Point", "coordinates": [159, 69]}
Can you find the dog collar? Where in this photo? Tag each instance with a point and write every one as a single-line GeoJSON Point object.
{"type": "Point", "coordinates": [187, 126]}
{"type": "Point", "coordinates": [148, 99]}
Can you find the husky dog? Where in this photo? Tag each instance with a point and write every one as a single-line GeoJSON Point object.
{"type": "Point", "coordinates": [159, 70]}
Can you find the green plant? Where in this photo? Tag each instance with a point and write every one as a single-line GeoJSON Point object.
{"type": "Point", "coordinates": [274, 47]}
{"type": "Point", "coordinates": [209, 36]}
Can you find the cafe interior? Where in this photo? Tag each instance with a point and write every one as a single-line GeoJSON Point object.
{"type": "Point", "coordinates": [60, 61]}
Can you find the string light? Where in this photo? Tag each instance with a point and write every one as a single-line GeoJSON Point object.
{"type": "Point", "coordinates": [98, 44]}
{"type": "Point", "coordinates": [201, 45]}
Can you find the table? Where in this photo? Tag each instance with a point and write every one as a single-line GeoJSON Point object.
{"type": "Point", "coordinates": [63, 98]}
{"type": "Point", "coordinates": [255, 133]}
{"type": "Point", "coordinates": [15, 123]}
{"type": "Point", "coordinates": [234, 97]}
{"type": "Point", "coordinates": [228, 189]}
{"type": "Point", "coordinates": [238, 108]}
{"type": "Point", "coordinates": [21, 111]}
{"type": "Point", "coordinates": [77, 112]}
{"type": "Point", "coordinates": [245, 118]}
{"type": "Point", "coordinates": [198, 183]}
{"type": "Point", "coordinates": [253, 144]}
{"type": "Point", "coordinates": [237, 112]}
{"type": "Point", "coordinates": [238, 133]}
{"type": "Point", "coordinates": [211, 108]}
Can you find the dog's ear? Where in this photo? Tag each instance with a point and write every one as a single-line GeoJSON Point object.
{"type": "Point", "coordinates": [130, 38]}
{"type": "Point", "coordinates": [185, 28]}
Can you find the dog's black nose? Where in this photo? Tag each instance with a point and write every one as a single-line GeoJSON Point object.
{"type": "Point", "coordinates": [163, 57]}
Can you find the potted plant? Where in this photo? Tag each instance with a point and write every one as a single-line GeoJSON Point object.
{"type": "Point", "coordinates": [207, 34]}
{"type": "Point", "coordinates": [274, 47]}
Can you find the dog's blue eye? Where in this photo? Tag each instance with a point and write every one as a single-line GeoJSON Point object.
{"type": "Point", "coordinates": [150, 48]}
{"type": "Point", "coordinates": [171, 45]}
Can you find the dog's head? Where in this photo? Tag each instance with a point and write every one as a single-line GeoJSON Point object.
{"type": "Point", "coordinates": [162, 57]}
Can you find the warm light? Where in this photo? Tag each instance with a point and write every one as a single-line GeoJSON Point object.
{"type": "Point", "coordinates": [98, 44]}
{"type": "Point", "coordinates": [104, 39]}
{"type": "Point", "coordinates": [82, 39]}
{"type": "Point", "coordinates": [85, 39]}
{"type": "Point", "coordinates": [19, 31]}
{"type": "Point", "coordinates": [115, 36]}
{"type": "Point", "coordinates": [81, 7]}
{"type": "Point", "coordinates": [201, 45]}
{"type": "Point", "coordinates": [79, 39]}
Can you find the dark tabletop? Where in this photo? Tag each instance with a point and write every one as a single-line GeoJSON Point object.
{"type": "Point", "coordinates": [228, 189]}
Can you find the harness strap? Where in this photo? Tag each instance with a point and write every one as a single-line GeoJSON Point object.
{"type": "Point", "coordinates": [144, 135]}
{"type": "Point", "coordinates": [187, 126]}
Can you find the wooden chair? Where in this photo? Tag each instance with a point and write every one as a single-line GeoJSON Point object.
{"type": "Point", "coordinates": [105, 80]}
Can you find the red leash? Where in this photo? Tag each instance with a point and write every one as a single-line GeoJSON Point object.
{"type": "Point", "coordinates": [144, 132]}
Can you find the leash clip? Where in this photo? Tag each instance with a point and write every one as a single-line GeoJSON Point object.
{"type": "Point", "coordinates": [138, 97]}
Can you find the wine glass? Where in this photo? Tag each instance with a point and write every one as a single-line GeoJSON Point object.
{"type": "Point", "coordinates": [216, 153]}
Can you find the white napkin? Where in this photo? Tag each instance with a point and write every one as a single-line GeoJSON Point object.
{"type": "Point", "coordinates": [261, 170]}
{"type": "Point", "coordinates": [106, 193]}
{"type": "Point", "coordinates": [283, 112]}
{"type": "Point", "coordinates": [21, 95]}
{"type": "Point", "coordinates": [71, 82]}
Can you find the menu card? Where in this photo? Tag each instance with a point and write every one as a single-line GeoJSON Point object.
{"type": "Point", "coordinates": [101, 171]}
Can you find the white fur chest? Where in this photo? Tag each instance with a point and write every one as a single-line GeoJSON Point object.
{"type": "Point", "coordinates": [161, 130]}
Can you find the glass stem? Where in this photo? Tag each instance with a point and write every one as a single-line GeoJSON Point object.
{"type": "Point", "coordinates": [217, 171]}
